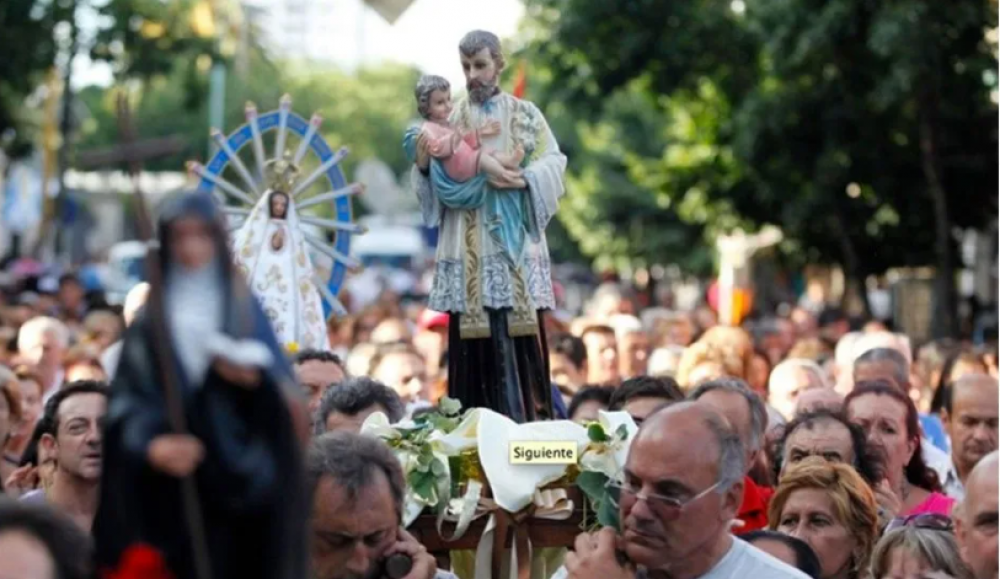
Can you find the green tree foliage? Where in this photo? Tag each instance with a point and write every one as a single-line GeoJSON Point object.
{"type": "Point", "coordinates": [611, 214]}
{"type": "Point", "coordinates": [27, 29]}
{"type": "Point", "coordinates": [145, 38]}
{"type": "Point", "coordinates": [866, 130]}
{"type": "Point", "coordinates": [364, 111]}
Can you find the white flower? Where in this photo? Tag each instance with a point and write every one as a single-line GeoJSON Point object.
{"type": "Point", "coordinates": [599, 457]}
{"type": "Point", "coordinates": [377, 424]}
{"type": "Point", "coordinates": [464, 437]}
{"type": "Point", "coordinates": [609, 458]}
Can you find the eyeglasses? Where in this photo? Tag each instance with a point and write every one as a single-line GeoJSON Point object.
{"type": "Point", "coordinates": [671, 506]}
{"type": "Point", "coordinates": [931, 521]}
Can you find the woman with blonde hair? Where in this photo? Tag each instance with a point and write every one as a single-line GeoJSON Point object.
{"type": "Point", "coordinates": [920, 545]}
{"type": "Point", "coordinates": [703, 361]}
{"type": "Point", "coordinates": [829, 506]}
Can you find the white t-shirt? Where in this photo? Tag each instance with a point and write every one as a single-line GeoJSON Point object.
{"type": "Point", "coordinates": [742, 561]}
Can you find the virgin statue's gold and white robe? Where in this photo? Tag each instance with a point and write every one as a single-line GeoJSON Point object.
{"type": "Point", "coordinates": [272, 254]}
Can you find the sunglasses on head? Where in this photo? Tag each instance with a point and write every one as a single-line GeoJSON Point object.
{"type": "Point", "coordinates": [932, 521]}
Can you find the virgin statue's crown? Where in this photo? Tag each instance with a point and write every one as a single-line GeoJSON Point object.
{"type": "Point", "coordinates": [280, 173]}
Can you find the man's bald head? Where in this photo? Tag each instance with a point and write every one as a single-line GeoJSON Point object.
{"type": "Point", "coordinates": [685, 421]}
{"type": "Point", "coordinates": [970, 383]}
{"type": "Point", "coordinates": [983, 478]}
{"type": "Point", "coordinates": [976, 523]}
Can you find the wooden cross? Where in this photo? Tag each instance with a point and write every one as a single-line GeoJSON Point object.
{"type": "Point", "coordinates": [133, 153]}
{"type": "Point", "coordinates": [139, 151]}
{"type": "Point", "coordinates": [163, 354]}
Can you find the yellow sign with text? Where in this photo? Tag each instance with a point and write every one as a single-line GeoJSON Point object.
{"type": "Point", "coordinates": [534, 452]}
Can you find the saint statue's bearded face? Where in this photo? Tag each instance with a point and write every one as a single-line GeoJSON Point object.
{"type": "Point", "coordinates": [481, 74]}
{"type": "Point", "coordinates": [279, 205]}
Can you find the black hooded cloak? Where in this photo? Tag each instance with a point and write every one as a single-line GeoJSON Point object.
{"type": "Point", "coordinates": [250, 483]}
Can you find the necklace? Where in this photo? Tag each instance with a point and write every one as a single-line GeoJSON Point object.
{"type": "Point", "coordinates": [904, 491]}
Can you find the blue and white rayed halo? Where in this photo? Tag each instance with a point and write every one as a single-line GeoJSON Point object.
{"type": "Point", "coordinates": [338, 194]}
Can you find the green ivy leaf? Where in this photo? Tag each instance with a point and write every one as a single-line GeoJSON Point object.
{"type": "Point", "coordinates": [607, 513]}
{"type": "Point", "coordinates": [438, 468]}
{"type": "Point", "coordinates": [449, 406]}
{"type": "Point", "coordinates": [593, 484]}
{"type": "Point", "coordinates": [424, 485]}
{"type": "Point", "coordinates": [595, 432]}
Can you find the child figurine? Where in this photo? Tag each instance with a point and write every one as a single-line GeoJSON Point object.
{"type": "Point", "coordinates": [461, 154]}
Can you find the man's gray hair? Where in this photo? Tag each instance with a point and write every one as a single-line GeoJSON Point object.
{"type": "Point", "coordinates": [816, 375]}
{"type": "Point", "coordinates": [353, 462]}
{"type": "Point", "coordinates": [354, 395]}
{"type": "Point", "coordinates": [758, 411]}
{"type": "Point", "coordinates": [732, 459]}
{"type": "Point", "coordinates": [731, 464]}
{"type": "Point", "coordinates": [34, 328]}
{"type": "Point", "coordinates": [900, 365]}
{"type": "Point", "coordinates": [475, 41]}
{"type": "Point", "coordinates": [426, 86]}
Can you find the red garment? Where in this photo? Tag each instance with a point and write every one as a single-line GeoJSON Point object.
{"type": "Point", "coordinates": [753, 511]}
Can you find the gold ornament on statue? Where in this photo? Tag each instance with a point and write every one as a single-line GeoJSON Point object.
{"type": "Point", "coordinates": [281, 173]}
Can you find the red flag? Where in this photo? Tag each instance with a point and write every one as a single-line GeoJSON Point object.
{"type": "Point", "coordinates": [520, 81]}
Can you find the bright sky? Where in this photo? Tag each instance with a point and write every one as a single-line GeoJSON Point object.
{"type": "Point", "coordinates": [426, 35]}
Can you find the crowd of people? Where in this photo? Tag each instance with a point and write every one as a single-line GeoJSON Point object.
{"type": "Point", "coordinates": [803, 445]}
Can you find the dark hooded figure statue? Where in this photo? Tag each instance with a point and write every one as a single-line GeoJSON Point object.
{"type": "Point", "coordinates": [241, 450]}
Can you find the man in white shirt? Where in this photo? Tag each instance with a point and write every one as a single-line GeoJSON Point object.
{"type": "Point", "coordinates": [677, 507]}
{"type": "Point", "coordinates": [970, 417]}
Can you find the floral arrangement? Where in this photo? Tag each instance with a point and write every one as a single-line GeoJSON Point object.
{"type": "Point", "coordinates": [598, 465]}
{"type": "Point", "coordinates": [437, 468]}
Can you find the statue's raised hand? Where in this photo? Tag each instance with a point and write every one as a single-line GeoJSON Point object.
{"type": "Point", "coordinates": [490, 129]}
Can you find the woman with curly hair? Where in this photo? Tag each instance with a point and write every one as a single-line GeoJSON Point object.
{"type": "Point", "coordinates": [829, 506]}
{"type": "Point", "coordinates": [889, 419]}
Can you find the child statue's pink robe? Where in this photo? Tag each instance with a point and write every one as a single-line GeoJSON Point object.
{"type": "Point", "coordinates": [460, 157]}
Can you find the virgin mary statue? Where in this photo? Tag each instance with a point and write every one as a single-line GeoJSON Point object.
{"type": "Point", "coordinates": [270, 250]}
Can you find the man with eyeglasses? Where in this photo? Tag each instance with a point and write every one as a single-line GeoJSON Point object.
{"type": "Point", "coordinates": [976, 519]}
{"type": "Point", "coordinates": [679, 492]}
